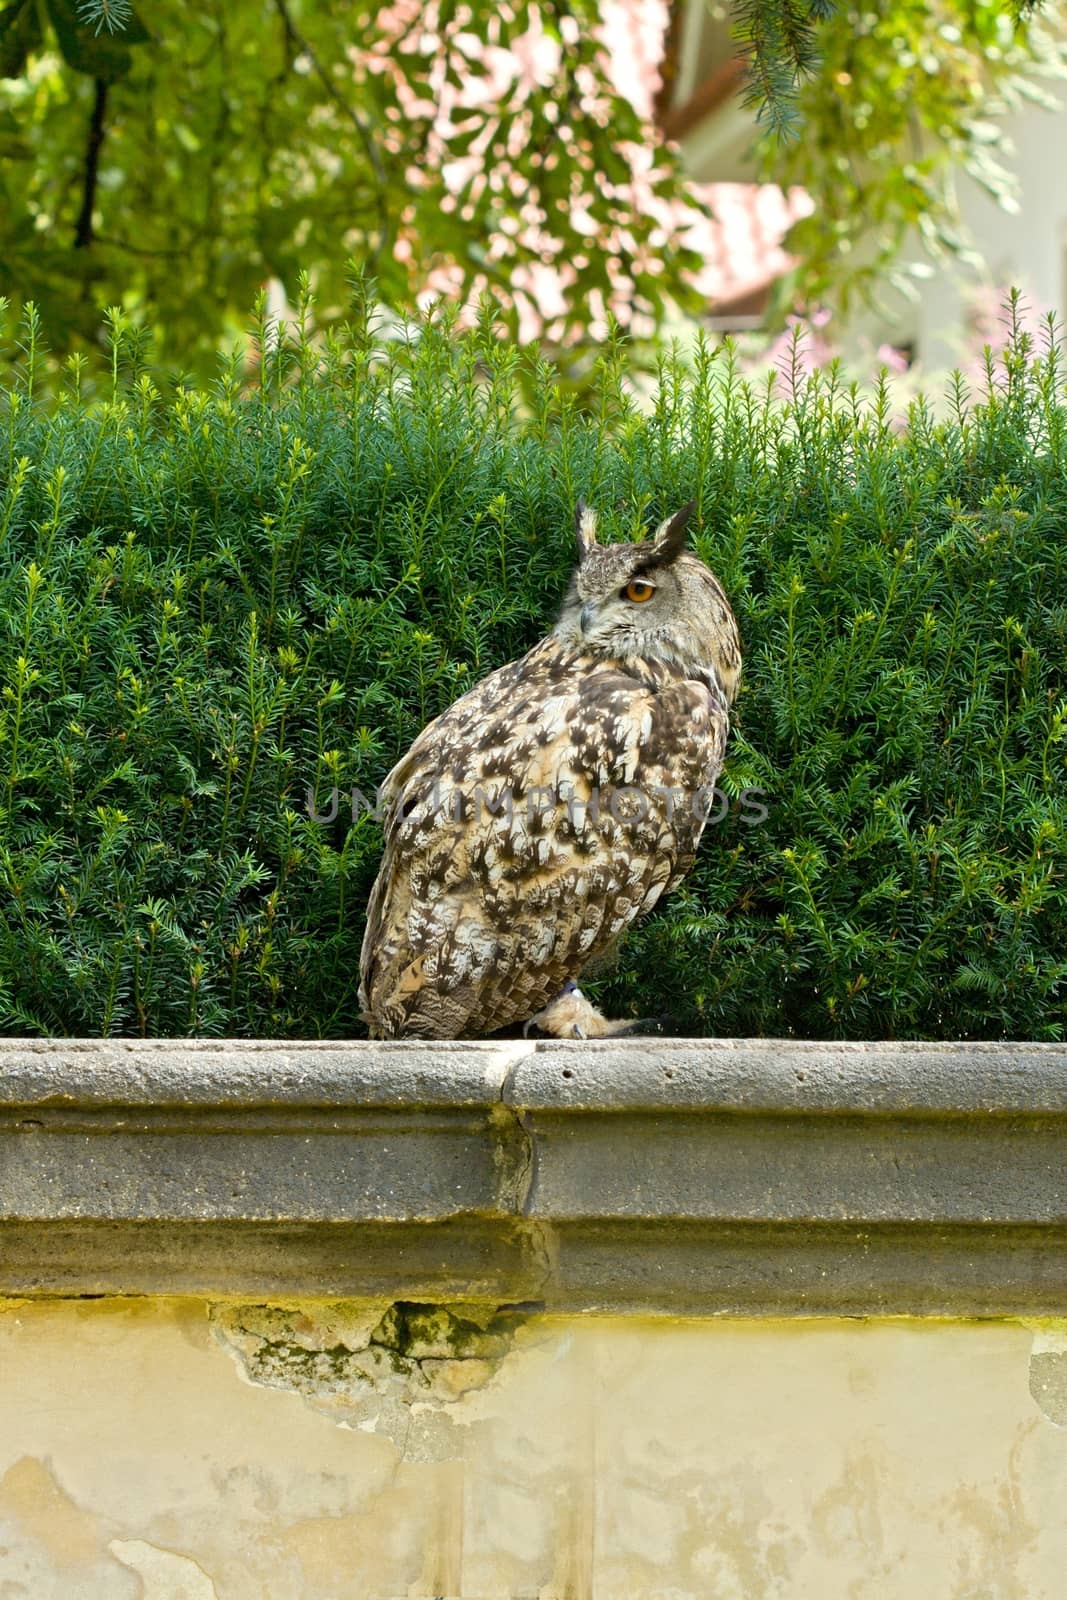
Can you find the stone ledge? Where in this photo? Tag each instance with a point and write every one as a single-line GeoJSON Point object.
{"type": "Point", "coordinates": [677, 1176]}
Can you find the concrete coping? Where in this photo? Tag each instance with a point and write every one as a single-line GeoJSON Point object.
{"type": "Point", "coordinates": [811, 1077]}
{"type": "Point", "coordinates": [681, 1177]}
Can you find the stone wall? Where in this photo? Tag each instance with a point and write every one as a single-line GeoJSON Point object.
{"type": "Point", "coordinates": [533, 1322]}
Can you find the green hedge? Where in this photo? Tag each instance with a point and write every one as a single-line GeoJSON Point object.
{"type": "Point", "coordinates": [211, 599]}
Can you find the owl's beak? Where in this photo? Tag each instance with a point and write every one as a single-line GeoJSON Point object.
{"type": "Point", "coordinates": [585, 620]}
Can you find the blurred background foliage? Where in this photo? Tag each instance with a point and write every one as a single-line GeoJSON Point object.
{"type": "Point", "coordinates": [174, 174]}
{"type": "Point", "coordinates": [215, 601]}
{"type": "Point", "coordinates": [171, 160]}
{"type": "Point", "coordinates": [906, 99]}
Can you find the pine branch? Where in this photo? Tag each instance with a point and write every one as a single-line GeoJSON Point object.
{"type": "Point", "coordinates": [777, 38]}
{"type": "Point", "coordinates": [112, 15]}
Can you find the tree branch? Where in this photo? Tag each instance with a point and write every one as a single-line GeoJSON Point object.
{"type": "Point", "coordinates": [668, 67]}
{"type": "Point", "coordinates": [83, 230]}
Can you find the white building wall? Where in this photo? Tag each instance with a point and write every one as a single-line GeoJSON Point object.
{"type": "Point", "coordinates": [1026, 250]}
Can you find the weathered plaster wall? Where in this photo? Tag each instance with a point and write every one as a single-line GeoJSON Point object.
{"type": "Point", "coordinates": [631, 1320]}
{"type": "Point", "coordinates": [167, 1449]}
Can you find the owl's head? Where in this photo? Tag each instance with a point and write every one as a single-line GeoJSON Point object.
{"type": "Point", "coordinates": [630, 602]}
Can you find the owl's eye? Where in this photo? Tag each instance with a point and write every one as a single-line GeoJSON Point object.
{"type": "Point", "coordinates": [638, 591]}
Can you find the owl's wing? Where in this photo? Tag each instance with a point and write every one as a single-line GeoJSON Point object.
{"type": "Point", "coordinates": [524, 829]}
{"type": "Point", "coordinates": [424, 864]}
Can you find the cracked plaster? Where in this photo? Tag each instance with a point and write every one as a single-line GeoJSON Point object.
{"type": "Point", "coordinates": [410, 1372]}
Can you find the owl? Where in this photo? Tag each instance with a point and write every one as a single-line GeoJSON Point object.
{"type": "Point", "coordinates": [554, 803]}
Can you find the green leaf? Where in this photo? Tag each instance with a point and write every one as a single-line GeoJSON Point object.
{"type": "Point", "coordinates": [20, 35]}
{"type": "Point", "coordinates": [13, 145]}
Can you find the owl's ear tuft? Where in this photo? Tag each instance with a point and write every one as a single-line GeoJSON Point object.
{"type": "Point", "coordinates": [668, 542]}
{"type": "Point", "coordinates": [584, 528]}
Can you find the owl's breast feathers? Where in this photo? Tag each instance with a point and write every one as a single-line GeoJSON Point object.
{"type": "Point", "coordinates": [526, 828]}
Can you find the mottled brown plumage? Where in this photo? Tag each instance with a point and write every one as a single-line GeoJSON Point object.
{"type": "Point", "coordinates": [535, 819]}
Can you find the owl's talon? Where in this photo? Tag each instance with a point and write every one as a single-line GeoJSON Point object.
{"type": "Point", "coordinates": [571, 1016]}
